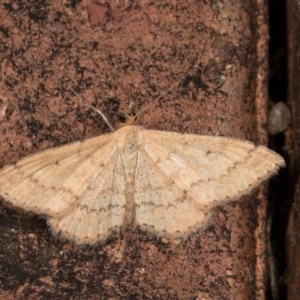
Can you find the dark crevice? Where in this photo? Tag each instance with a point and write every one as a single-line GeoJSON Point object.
{"type": "Point", "coordinates": [278, 187]}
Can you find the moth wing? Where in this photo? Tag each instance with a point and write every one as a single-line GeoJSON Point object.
{"type": "Point", "coordinates": [50, 181]}
{"type": "Point", "coordinates": [181, 177]}
{"type": "Point", "coordinates": [100, 208]}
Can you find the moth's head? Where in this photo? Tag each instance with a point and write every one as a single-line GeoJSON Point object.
{"type": "Point", "coordinates": [127, 120]}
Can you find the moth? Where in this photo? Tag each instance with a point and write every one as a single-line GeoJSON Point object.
{"type": "Point", "coordinates": [163, 182]}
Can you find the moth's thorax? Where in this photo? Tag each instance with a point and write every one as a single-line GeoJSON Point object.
{"type": "Point", "coordinates": [127, 139]}
{"type": "Point", "coordinates": [128, 144]}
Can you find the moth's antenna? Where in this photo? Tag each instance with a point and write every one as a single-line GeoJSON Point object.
{"type": "Point", "coordinates": [95, 109]}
